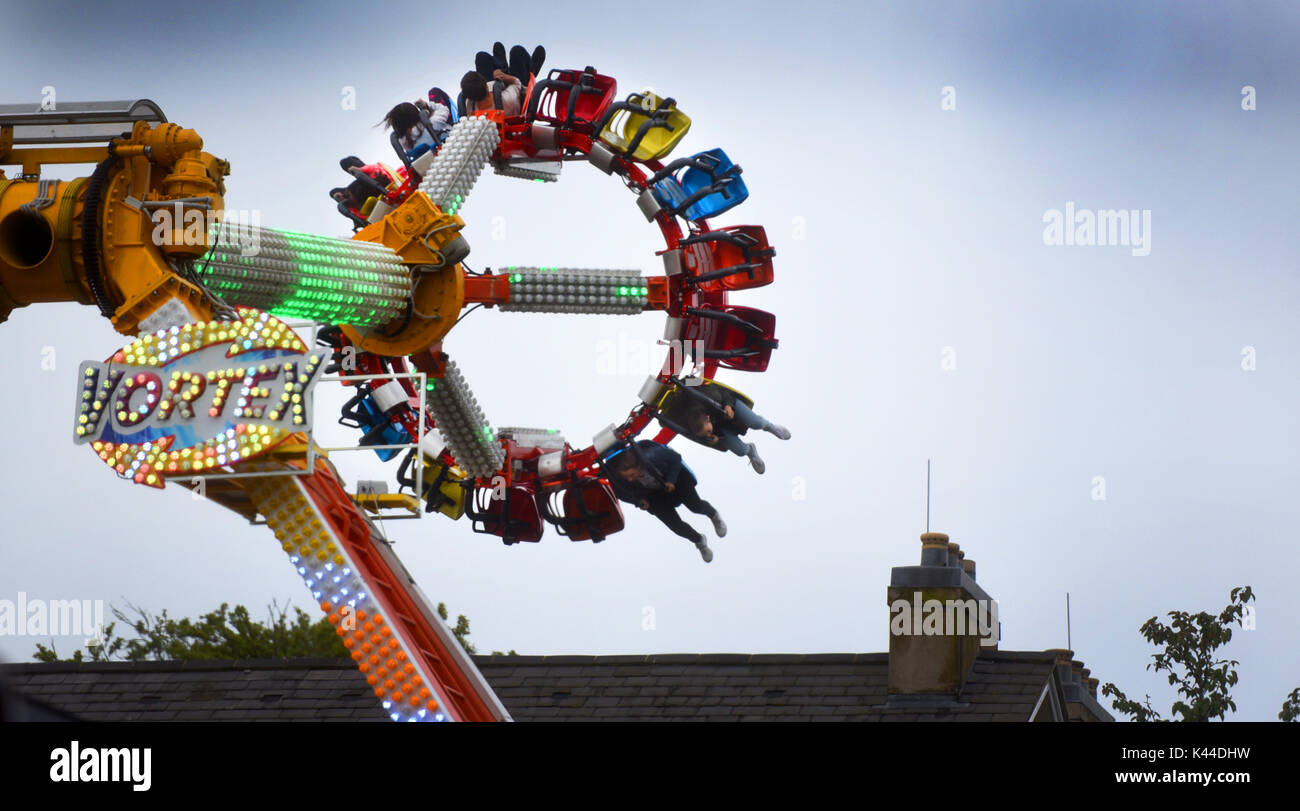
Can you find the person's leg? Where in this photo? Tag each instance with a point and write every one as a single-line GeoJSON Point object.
{"type": "Point", "coordinates": [690, 498]}
{"type": "Point", "coordinates": [673, 521]}
{"type": "Point", "coordinates": [731, 442]}
{"type": "Point", "coordinates": [520, 65]}
{"type": "Point", "coordinates": [485, 65]}
{"type": "Point", "coordinates": [747, 417]}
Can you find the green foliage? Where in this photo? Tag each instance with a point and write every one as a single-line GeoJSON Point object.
{"type": "Point", "coordinates": [225, 633]}
{"type": "Point", "coordinates": [1186, 651]}
{"type": "Point", "coordinates": [222, 634]}
{"type": "Point", "coordinates": [460, 630]}
{"type": "Point", "coordinates": [1291, 707]}
{"type": "Point", "coordinates": [104, 649]}
{"type": "Point", "coordinates": [1137, 711]}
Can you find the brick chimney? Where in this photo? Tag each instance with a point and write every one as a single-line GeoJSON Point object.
{"type": "Point", "coordinates": [938, 618]}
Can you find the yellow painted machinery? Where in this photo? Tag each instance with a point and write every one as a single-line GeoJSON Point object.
{"type": "Point", "coordinates": [147, 235]}
{"type": "Point", "coordinates": [94, 239]}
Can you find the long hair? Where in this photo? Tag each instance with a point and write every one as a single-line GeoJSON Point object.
{"type": "Point", "coordinates": [402, 117]}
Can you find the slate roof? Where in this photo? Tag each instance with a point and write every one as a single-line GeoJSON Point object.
{"type": "Point", "coordinates": [1003, 686]}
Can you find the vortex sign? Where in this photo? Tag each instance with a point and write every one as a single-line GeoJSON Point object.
{"type": "Point", "coordinates": [197, 399]}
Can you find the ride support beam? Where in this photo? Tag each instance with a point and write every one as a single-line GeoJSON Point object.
{"type": "Point", "coordinates": [412, 662]}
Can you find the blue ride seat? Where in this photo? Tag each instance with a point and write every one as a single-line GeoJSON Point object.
{"type": "Point", "coordinates": [704, 185]}
{"type": "Point", "coordinates": [361, 412]}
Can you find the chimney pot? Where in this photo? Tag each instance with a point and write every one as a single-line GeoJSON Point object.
{"type": "Point", "coordinates": [1076, 672]}
{"type": "Point", "coordinates": [968, 566]}
{"type": "Point", "coordinates": [954, 555]}
{"type": "Point", "coordinates": [1064, 665]}
{"type": "Point", "coordinates": [934, 549]}
{"type": "Point", "coordinates": [1092, 687]}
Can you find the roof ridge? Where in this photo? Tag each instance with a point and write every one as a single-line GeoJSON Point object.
{"type": "Point", "coordinates": [295, 663]}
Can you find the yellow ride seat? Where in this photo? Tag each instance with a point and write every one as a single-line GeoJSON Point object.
{"type": "Point", "coordinates": [449, 493]}
{"type": "Point", "coordinates": [645, 127]}
{"type": "Point", "coordinates": [672, 399]}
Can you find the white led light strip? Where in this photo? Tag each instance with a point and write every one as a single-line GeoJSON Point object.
{"type": "Point", "coordinates": [459, 162]}
{"type": "Point", "coordinates": [461, 422]}
{"type": "Point", "coordinates": [575, 290]}
{"type": "Point", "coordinates": [332, 577]}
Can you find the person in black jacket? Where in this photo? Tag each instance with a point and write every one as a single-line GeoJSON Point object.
{"type": "Point", "coordinates": [652, 477]}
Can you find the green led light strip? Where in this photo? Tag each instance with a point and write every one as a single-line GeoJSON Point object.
{"type": "Point", "coordinates": [297, 275]}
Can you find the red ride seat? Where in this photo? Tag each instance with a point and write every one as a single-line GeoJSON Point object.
{"type": "Point", "coordinates": [588, 510]}
{"type": "Point", "coordinates": [734, 258]}
{"type": "Point", "coordinates": [737, 337]}
{"type": "Point", "coordinates": [572, 99]}
{"type": "Point", "coordinates": [513, 518]}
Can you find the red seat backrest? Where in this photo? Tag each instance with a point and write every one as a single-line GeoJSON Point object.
{"type": "Point", "coordinates": [553, 103]}
{"type": "Point", "coordinates": [598, 498]}
{"type": "Point", "coordinates": [721, 336]}
{"type": "Point", "coordinates": [727, 254]}
{"type": "Point", "coordinates": [524, 521]}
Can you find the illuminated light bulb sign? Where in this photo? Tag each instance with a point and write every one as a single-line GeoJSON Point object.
{"type": "Point", "coordinates": [197, 399]}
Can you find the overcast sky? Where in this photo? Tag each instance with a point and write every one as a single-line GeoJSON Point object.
{"type": "Point", "coordinates": [906, 235]}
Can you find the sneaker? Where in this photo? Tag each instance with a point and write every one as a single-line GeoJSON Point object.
{"type": "Point", "coordinates": [779, 431]}
{"type": "Point", "coordinates": [754, 459]}
{"type": "Point", "coordinates": [705, 551]}
{"type": "Point", "coordinates": [719, 526]}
